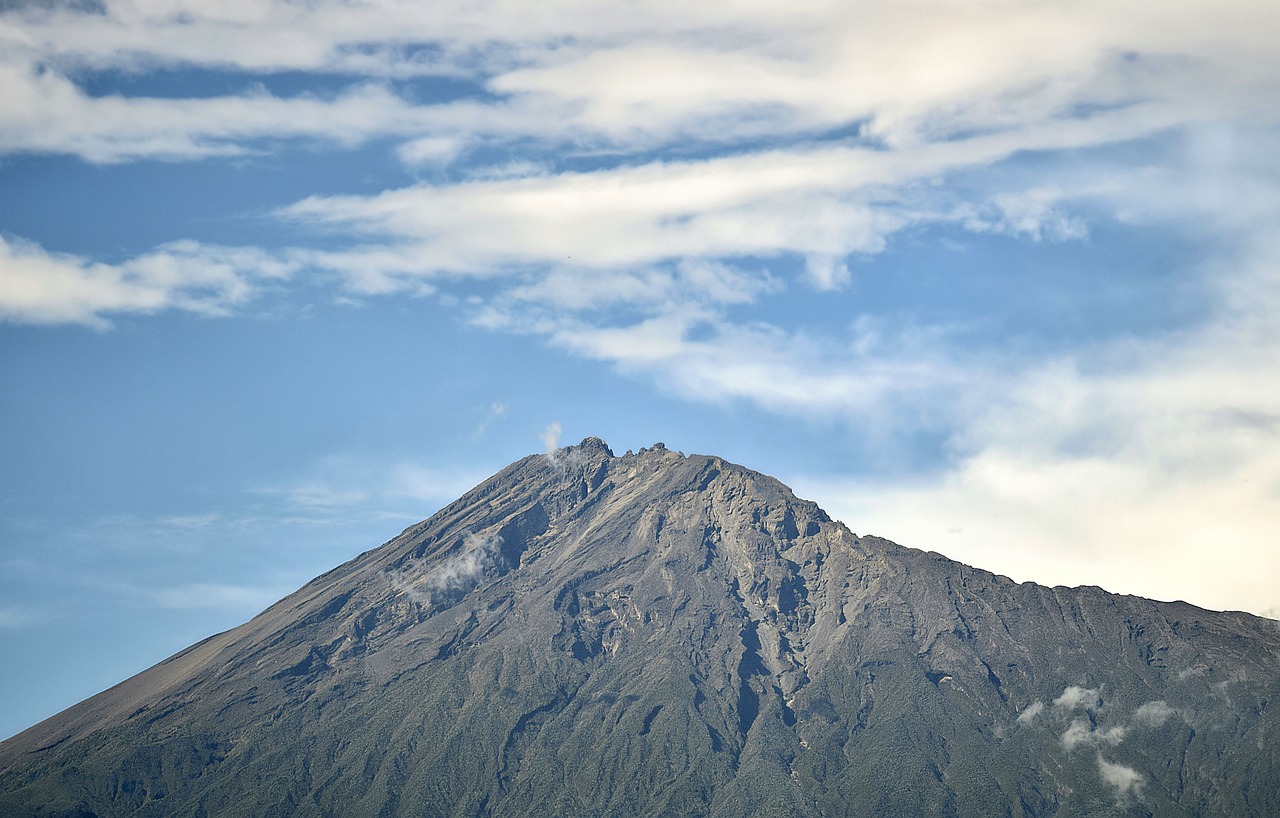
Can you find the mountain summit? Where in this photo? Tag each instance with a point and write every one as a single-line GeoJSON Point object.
{"type": "Point", "coordinates": [660, 635]}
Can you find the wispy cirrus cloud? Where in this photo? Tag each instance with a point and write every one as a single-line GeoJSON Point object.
{"type": "Point", "coordinates": [44, 112]}
{"type": "Point", "coordinates": [339, 488]}
{"type": "Point", "coordinates": [235, 597]}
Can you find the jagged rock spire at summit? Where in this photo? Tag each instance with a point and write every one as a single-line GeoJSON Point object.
{"type": "Point", "coordinates": [655, 634]}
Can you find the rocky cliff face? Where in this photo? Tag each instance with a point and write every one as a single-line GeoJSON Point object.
{"type": "Point", "coordinates": [655, 634]}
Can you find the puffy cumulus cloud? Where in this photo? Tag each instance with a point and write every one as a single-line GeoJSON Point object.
{"type": "Point", "coordinates": [1030, 712]}
{"type": "Point", "coordinates": [1085, 731]}
{"type": "Point", "coordinates": [1075, 696]}
{"type": "Point", "coordinates": [1081, 731]}
{"type": "Point", "coordinates": [1126, 780]}
{"type": "Point", "coordinates": [40, 287]}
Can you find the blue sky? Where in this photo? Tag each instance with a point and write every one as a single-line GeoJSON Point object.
{"type": "Point", "coordinates": [277, 280]}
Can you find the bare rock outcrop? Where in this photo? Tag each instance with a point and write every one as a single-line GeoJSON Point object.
{"type": "Point", "coordinates": [655, 634]}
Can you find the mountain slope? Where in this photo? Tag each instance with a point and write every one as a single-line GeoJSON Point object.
{"type": "Point", "coordinates": [585, 634]}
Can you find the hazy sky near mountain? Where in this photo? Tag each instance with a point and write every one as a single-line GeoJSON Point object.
{"type": "Point", "coordinates": [997, 279]}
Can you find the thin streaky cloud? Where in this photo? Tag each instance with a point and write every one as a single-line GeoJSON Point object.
{"type": "Point", "coordinates": [220, 595]}
{"type": "Point", "coordinates": [40, 287]}
{"type": "Point", "coordinates": [907, 76]}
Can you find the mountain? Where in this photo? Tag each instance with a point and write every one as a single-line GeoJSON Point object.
{"type": "Point", "coordinates": [661, 635]}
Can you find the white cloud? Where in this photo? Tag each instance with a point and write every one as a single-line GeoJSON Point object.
{"type": "Point", "coordinates": [572, 288]}
{"type": "Point", "coordinates": [661, 74]}
{"type": "Point", "coordinates": [43, 112]}
{"type": "Point", "coordinates": [1030, 712]}
{"type": "Point", "coordinates": [454, 576]}
{"type": "Point", "coordinates": [492, 415]}
{"type": "Point", "coordinates": [826, 272]}
{"type": "Point", "coordinates": [1081, 731]}
{"type": "Point", "coordinates": [1158, 477]}
{"type": "Point", "coordinates": [1153, 714]}
{"type": "Point", "coordinates": [430, 150]}
{"type": "Point", "coordinates": [341, 489]}
{"type": "Point", "coordinates": [1032, 213]}
{"type": "Point", "coordinates": [1126, 780]}
{"type": "Point", "coordinates": [1167, 445]}
{"type": "Point", "coordinates": [720, 283]}
{"type": "Point", "coordinates": [700, 356]}
{"type": "Point", "coordinates": [1149, 465]}
{"type": "Point", "coordinates": [416, 482]}
{"type": "Point", "coordinates": [1075, 696]}
{"type": "Point", "coordinates": [550, 438]}
{"type": "Point", "coordinates": [49, 288]}
{"type": "Point", "coordinates": [1077, 733]}
{"type": "Point", "coordinates": [823, 203]}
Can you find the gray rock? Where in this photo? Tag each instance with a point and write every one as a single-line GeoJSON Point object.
{"type": "Point", "coordinates": [654, 635]}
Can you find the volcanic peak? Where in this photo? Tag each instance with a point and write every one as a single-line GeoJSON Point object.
{"type": "Point", "coordinates": [654, 634]}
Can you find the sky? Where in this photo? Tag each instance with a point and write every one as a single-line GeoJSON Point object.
{"type": "Point", "coordinates": [278, 279]}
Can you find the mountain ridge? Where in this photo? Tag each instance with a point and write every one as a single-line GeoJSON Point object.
{"type": "Point", "coordinates": [659, 634]}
